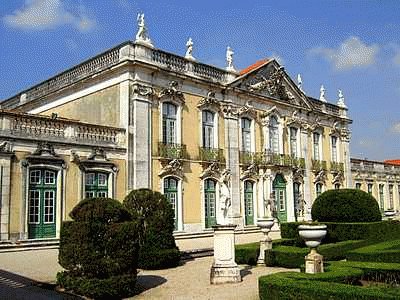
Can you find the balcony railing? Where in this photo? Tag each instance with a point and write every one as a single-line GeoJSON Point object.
{"type": "Point", "coordinates": [270, 159]}
{"type": "Point", "coordinates": [172, 151]}
{"type": "Point", "coordinates": [211, 155]}
{"type": "Point", "coordinates": [318, 165]}
{"type": "Point", "coordinates": [336, 166]}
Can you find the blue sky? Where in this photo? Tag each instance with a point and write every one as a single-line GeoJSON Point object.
{"type": "Point", "coordinates": [348, 45]}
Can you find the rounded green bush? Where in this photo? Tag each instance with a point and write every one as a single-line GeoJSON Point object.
{"type": "Point", "coordinates": [99, 250]}
{"type": "Point", "coordinates": [156, 220]}
{"type": "Point", "coordinates": [345, 205]}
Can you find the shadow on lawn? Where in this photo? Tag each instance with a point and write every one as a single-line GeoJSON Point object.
{"type": "Point", "coordinates": [147, 282]}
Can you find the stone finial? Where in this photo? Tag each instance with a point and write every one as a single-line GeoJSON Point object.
{"type": "Point", "coordinates": [340, 102]}
{"type": "Point", "coordinates": [142, 36]}
{"type": "Point", "coordinates": [322, 94]}
{"type": "Point", "coordinates": [299, 82]}
{"type": "Point", "coordinates": [189, 49]}
{"type": "Point", "coordinates": [229, 59]}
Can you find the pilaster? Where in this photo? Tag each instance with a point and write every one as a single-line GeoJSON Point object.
{"type": "Point", "coordinates": [5, 173]}
{"type": "Point", "coordinates": [307, 182]}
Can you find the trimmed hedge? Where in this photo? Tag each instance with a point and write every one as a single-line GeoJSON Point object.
{"type": "Point", "coordinates": [339, 282]}
{"type": "Point", "coordinates": [345, 205]}
{"type": "Point", "coordinates": [336, 232]}
{"type": "Point", "coordinates": [99, 250]}
{"type": "Point", "coordinates": [293, 257]}
{"type": "Point", "coordinates": [388, 251]}
{"type": "Point", "coordinates": [156, 222]}
{"type": "Point", "coordinates": [247, 254]}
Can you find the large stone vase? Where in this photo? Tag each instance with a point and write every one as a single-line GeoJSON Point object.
{"type": "Point", "coordinates": [266, 242]}
{"type": "Point", "coordinates": [313, 235]}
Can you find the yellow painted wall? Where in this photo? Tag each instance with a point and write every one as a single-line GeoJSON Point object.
{"type": "Point", "coordinates": [101, 108]}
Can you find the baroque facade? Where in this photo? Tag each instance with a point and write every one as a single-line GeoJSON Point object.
{"type": "Point", "coordinates": [381, 180]}
{"type": "Point", "coordinates": [139, 117]}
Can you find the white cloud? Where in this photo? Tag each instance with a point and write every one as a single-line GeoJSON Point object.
{"type": "Point", "coordinates": [352, 53]}
{"type": "Point", "coordinates": [47, 14]}
{"type": "Point", "coordinates": [395, 128]}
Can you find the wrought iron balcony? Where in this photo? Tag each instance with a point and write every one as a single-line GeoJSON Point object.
{"type": "Point", "coordinates": [211, 154]}
{"type": "Point", "coordinates": [271, 159]}
{"type": "Point", "coordinates": [172, 151]}
{"type": "Point", "coordinates": [336, 166]}
{"type": "Point", "coordinates": [318, 165]}
{"type": "Point", "coordinates": [298, 162]}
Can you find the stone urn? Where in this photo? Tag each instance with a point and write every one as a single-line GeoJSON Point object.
{"type": "Point", "coordinates": [312, 235]}
{"type": "Point", "coordinates": [266, 242]}
{"type": "Point", "coordinates": [389, 214]}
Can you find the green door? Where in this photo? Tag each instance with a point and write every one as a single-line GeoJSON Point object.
{"type": "Point", "coordinates": [248, 203]}
{"type": "Point", "coordinates": [209, 203]}
{"type": "Point", "coordinates": [171, 192]}
{"type": "Point", "coordinates": [42, 203]}
{"type": "Point", "coordinates": [279, 187]}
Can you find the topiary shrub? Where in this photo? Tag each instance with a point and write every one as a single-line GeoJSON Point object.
{"type": "Point", "coordinates": [345, 205]}
{"type": "Point", "coordinates": [99, 250]}
{"type": "Point", "coordinates": [156, 220]}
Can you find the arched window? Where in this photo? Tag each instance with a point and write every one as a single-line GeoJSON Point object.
{"type": "Point", "coordinates": [171, 192]}
{"type": "Point", "coordinates": [273, 134]}
{"type": "Point", "coordinates": [209, 202]}
{"type": "Point", "coordinates": [208, 128]}
{"type": "Point", "coordinates": [246, 134]}
{"type": "Point", "coordinates": [248, 203]}
{"type": "Point", "coordinates": [169, 126]}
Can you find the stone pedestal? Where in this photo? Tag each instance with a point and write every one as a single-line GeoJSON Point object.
{"type": "Point", "coordinates": [265, 244]}
{"type": "Point", "coordinates": [224, 268]}
{"type": "Point", "coordinates": [314, 262]}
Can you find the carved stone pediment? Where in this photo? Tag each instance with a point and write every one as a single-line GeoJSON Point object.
{"type": "Point", "coordinates": [98, 154]}
{"type": "Point", "coordinates": [174, 167]}
{"type": "Point", "coordinates": [209, 101]}
{"type": "Point", "coordinates": [213, 170]}
{"type": "Point", "coordinates": [96, 159]}
{"type": "Point", "coordinates": [172, 92]}
{"type": "Point", "coordinates": [251, 172]}
{"type": "Point", "coordinates": [45, 153]}
{"type": "Point", "coordinates": [271, 80]}
{"type": "Point", "coordinates": [298, 175]}
{"type": "Point", "coordinates": [338, 178]}
{"type": "Point", "coordinates": [142, 90]}
{"type": "Point", "coordinates": [248, 109]}
{"type": "Point", "coordinates": [6, 147]}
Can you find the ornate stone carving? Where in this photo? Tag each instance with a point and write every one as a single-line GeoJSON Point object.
{"type": "Point", "coordinates": [172, 92]}
{"type": "Point", "coordinates": [338, 178]}
{"type": "Point", "coordinates": [340, 102]}
{"type": "Point", "coordinates": [44, 148]}
{"type": "Point", "coordinates": [345, 134]}
{"type": "Point", "coordinates": [320, 176]}
{"type": "Point", "coordinates": [248, 109]}
{"type": "Point", "coordinates": [229, 59]}
{"type": "Point", "coordinates": [189, 49]}
{"type": "Point", "coordinates": [250, 172]}
{"type": "Point", "coordinates": [322, 94]}
{"type": "Point", "coordinates": [97, 154]}
{"type": "Point", "coordinates": [5, 147]}
{"type": "Point", "coordinates": [209, 100]}
{"type": "Point", "coordinates": [298, 175]}
{"type": "Point", "coordinates": [213, 170]}
{"type": "Point", "coordinates": [230, 111]}
{"type": "Point", "coordinates": [174, 167]}
{"type": "Point", "coordinates": [142, 90]}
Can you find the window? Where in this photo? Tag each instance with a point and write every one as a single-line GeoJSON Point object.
{"type": "Point", "coordinates": [316, 138]}
{"type": "Point", "coordinates": [96, 185]}
{"type": "Point", "coordinates": [169, 111]}
{"type": "Point", "coordinates": [209, 202]}
{"type": "Point", "coordinates": [171, 193]}
{"type": "Point", "coordinates": [273, 135]}
{"type": "Point", "coordinates": [293, 141]}
{"type": "Point", "coordinates": [318, 189]}
{"type": "Point", "coordinates": [369, 187]}
{"type": "Point", "coordinates": [246, 134]}
{"type": "Point", "coordinates": [337, 186]}
{"type": "Point", "coordinates": [358, 186]}
{"type": "Point", "coordinates": [248, 203]}
{"type": "Point", "coordinates": [208, 129]}
{"type": "Point", "coordinates": [334, 153]}
{"type": "Point", "coordinates": [42, 193]}
{"type": "Point", "coordinates": [390, 196]}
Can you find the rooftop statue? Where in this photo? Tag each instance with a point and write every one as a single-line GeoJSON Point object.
{"type": "Point", "coordinates": [322, 94]}
{"type": "Point", "coordinates": [189, 49]}
{"type": "Point", "coordinates": [229, 59]}
{"type": "Point", "coordinates": [142, 36]}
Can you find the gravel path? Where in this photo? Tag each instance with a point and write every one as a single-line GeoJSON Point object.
{"type": "Point", "coordinates": [192, 281]}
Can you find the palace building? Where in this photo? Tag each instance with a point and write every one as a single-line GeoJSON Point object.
{"type": "Point", "coordinates": [139, 117]}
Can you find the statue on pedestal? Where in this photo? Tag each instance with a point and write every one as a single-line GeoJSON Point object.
{"type": "Point", "coordinates": [225, 201]}
{"type": "Point", "coordinates": [189, 49]}
{"type": "Point", "coordinates": [229, 59]}
{"type": "Point", "coordinates": [142, 36]}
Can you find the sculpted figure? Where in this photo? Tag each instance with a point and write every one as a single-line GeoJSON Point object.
{"type": "Point", "coordinates": [229, 58]}
{"type": "Point", "coordinates": [224, 197]}
{"type": "Point", "coordinates": [189, 48]}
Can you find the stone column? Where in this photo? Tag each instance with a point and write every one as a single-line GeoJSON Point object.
{"type": "Point", "coordinates": [232, 161]}
{"type": "Point", "coordinates": [307, 172]}
{"type": "Point", "coordinates": [5, 172]}
{"type": "Point", "coordinates": [139, 137]}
